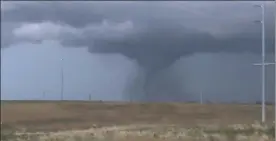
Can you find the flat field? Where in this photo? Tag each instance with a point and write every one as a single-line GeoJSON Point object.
{"type": "Point", "coordinates": [57, 115]}
{"type": "Point", "coordinates": [119, 121]}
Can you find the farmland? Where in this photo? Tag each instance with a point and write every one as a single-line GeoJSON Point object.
{"type": "Point", "coordinates": [53, 116]}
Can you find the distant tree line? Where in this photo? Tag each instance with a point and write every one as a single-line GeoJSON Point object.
{"type": "Point", "coordinates": [267, 103]}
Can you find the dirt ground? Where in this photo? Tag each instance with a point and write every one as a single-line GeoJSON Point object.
{"type": "Point", "coordinates": [54, 115]}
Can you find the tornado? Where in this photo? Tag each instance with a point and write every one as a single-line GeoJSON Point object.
{"type": "Point", "coordinates": [154, 52]}
{"type": "Point", "coordinates": [156, 48]}
{"type": "Point", "coordinates": [151, 63]}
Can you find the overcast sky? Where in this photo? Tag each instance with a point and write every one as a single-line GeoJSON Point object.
{"type": "Point", "coordinates": [109, 47]}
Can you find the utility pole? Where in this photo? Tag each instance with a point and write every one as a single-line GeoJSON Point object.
{"type": "Point", "coordinates": [44, 93]}
{"type": "Point", "coordinates": [263, 63]}
{"type": "Point", "coordinates": [201, 97]}
{"type": "Point", "coordinates": [262, 21]}
{"type": "Point", "coordinates": [62, 80]}
{"type": "Point", "coordinates": [275, 67]}
{"type": "Point", "coordinates": [89, 97]}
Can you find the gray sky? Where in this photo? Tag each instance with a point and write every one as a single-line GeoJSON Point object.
{"type": "Point", "coordinates": [109, 48]}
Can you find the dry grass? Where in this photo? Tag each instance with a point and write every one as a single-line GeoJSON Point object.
{"type": "Point", "coordinates": [254, 132]}
{"type": "Point", "coordinates": [72, 121]}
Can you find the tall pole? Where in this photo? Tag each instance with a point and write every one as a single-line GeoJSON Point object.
{"type": "Point", "coordinates": [201, 97]}
{"type": "Point", "coordinates": [263, 63]}
{"type": "Point", "coordinates": [44, 93]}
{"type": "Point", "coordinates": [62, 80]}
{"type": "Point", "coordinates": [275, 67]}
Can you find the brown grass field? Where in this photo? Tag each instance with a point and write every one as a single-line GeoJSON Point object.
{"type": "Point", "coordinates": [50, 115]}
{"type": "Point", "coordinates": [47, 116]}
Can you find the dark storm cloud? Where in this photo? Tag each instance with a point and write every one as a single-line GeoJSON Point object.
{"type": "Point", "coordinates": [69, 13]}
{"type": "Point", "coordinates": [161, 43]}
{"type": "Point", "coordinates": [167, 28]}
{"type": "Point", "coordinates": [154, 34]}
